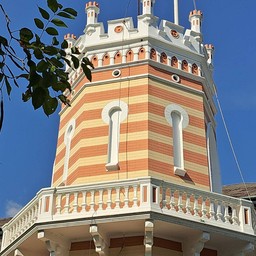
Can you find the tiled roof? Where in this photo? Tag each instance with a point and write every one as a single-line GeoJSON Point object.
{"type": "Point", "coordinates": [240, 190]}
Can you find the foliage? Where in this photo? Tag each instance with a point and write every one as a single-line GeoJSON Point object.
{"type": "Point", "coordinates": [41, 63]}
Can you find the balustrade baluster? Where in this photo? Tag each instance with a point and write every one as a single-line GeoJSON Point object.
{"type": "Point", "coordinates": [235, 220]}
{"type": "Point", "coordinates": [83, 202]}
{"type": "Point", "coordinates": [92, 203]}
{"type": "Point", "coordinates": [66, 206]}
{"type": "Point", "coordinates": [101, 200]}
{"type": "Point", "coordinates": [135, 196]}
{"type": "Point", "coordinates": [117, 201]}
{"type": "Point", "coordinates": [212, 211]}
{"type": "Point", "coordinates": [188, 205]}
{"type": "Point", "coordinates": [226, 216]}
{"type": "Point", "coordinates": [58, 206]}
{"type": "Point", "coordinates": [126, 197]}
{"type": "Point", "coordinates": [75, 205]}
{"type": "Point", "coordinates": [36, 212]}
{"type": "Point", "coordinates": [180, 204]}
{"type": "Point", "coordinates": [203, 209]}
{"type": "Point", "coordinates": [172, 203]}
{"type": "Point", "coordinates": [196, 207]}
{"type": "Point", "coordinates": [109, 201]}
{"type": "Point", "coordinates": [219, 213]}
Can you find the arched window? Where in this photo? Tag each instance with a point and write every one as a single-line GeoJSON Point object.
{"type": "Point", "coordinates": [163, 58]}
{"type": "Point", "coordinates": [174, 62]}
{"type": "Point", "coordinates": [67, 141]}
{"type": "Point", "coordinates": [118, 58]}
{"type": "Point", "coordinates": [178, 118]}
{"type": "Point", "coordinates": [94, 61]}
{"type": "Point", "coordinates": [113, 114]}
{"type": "Point", "coordinates": [142, 54]}
{"type": "Point", "coordinates": [153, 54]}
{"type": "Point", "coordinates": [184, 65]}
{"type": "Point", "coordinates": [105, 60]}
{"type": "Point", "coordinates": [194, 69]}
{"type": "Point", "coordinates": [129, 56]}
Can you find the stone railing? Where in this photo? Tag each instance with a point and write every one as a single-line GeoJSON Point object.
{"type": "Point", "coordinates": [132, 196]}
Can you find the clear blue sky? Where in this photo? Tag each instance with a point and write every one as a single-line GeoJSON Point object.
{"type": "Point", "coordinates": [28, 138]}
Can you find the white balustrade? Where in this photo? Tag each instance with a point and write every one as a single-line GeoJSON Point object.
{"type": "Point", "coordinates": [132, 196]}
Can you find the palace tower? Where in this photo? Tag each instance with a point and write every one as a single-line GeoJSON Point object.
{"type": "Point", "coordinates": [136, 169]}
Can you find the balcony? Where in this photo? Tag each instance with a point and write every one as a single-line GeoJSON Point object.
{"type": "Point", "coordinates": [129, 199]}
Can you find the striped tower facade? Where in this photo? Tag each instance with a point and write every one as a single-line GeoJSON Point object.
{"type": "Point", "coordinates": [153, 73]}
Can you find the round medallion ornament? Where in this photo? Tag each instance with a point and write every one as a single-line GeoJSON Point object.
{"type": "Point", "coordinates": [118, 29]}
{"type": "Point", "coordinates": [175, 34]}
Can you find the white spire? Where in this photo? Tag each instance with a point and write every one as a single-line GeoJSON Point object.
{"type": "Point", "coordinates": [176, 12]}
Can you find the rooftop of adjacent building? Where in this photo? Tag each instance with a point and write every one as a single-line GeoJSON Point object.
{"type": "Point", "coordinates": [240, 190]}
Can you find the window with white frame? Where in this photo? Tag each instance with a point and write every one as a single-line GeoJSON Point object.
{"type": "Point", "coordinates": [178, 118]}
{"type": "Point", "coordinates": [67, 140]}
{"type": "Point", "coordinates": [113, 114]}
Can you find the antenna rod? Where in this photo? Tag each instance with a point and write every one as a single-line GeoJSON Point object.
{"type": "Point", "coordinates": [176, 12]}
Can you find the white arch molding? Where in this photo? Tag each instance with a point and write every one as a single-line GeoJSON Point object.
{"type": "Point", "coordinates": [178, 118]}
{"type": "Point", "coordinates": [67, 141]}
{"type": "Point", "coordinates": [113, 114]}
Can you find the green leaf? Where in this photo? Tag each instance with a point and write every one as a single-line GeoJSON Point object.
{"type": "Point", "coordinates": [42, 66]}
{"type": "Point", "coordinates": [8, 86]}
{"type": "Point", "coordinates": [55, 41]}
{"type": "Point", "coordinates": [59, 23]}
{"type": "Point", "coordinates": [39, 96]}
{"type": "Point", "coordinates": [87, 71]}
{"type": "Point", "coordinates": [59, 87]}
{"type": "Point", "coordinates": [44, 13]}
{"type": "Point", "coordinates": [62, 74]}
{"type": "Point", "coordinates": [38, 54]}
{"type": "Point", "coordinates": [52, 31]}
{"type": "Point", "coordinates": [75, 50]}
{"type": "Point", "coordinates": [26, 35]}
{"type": "Point", "coordinates": [65, 15]}
{"type": "Point", "coordinates": [75, 61]}
{"type": "Point", "coordinates": [3, 41]}
{"type": "Point", "coordinates": [39, 23]}
{"type": "Point", "coordinates": [2, 52]}
{"type": "Point", "coordinates": [67, 61]}
{"type": "Point", "coordinates": [56, 63]}
{"type": "Point", "coordinates": [50, 105]}
{"type": "Point", "coordinates": [27, 95]}
{"type": "Point", "coordinates": [53, 5]}
{"type": "Point", "coordinates": [70, 11]}
{"type": "Point", "coordinates": [50, 50]}
{"type": "Point", "coordinates": [64, 99]}
{"type": "Point", "coordinates": [64, 45]}
{"type": "Point", "coordinates": [87, 62]}
{"type": "Point", "coordinates": [26, 76]}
